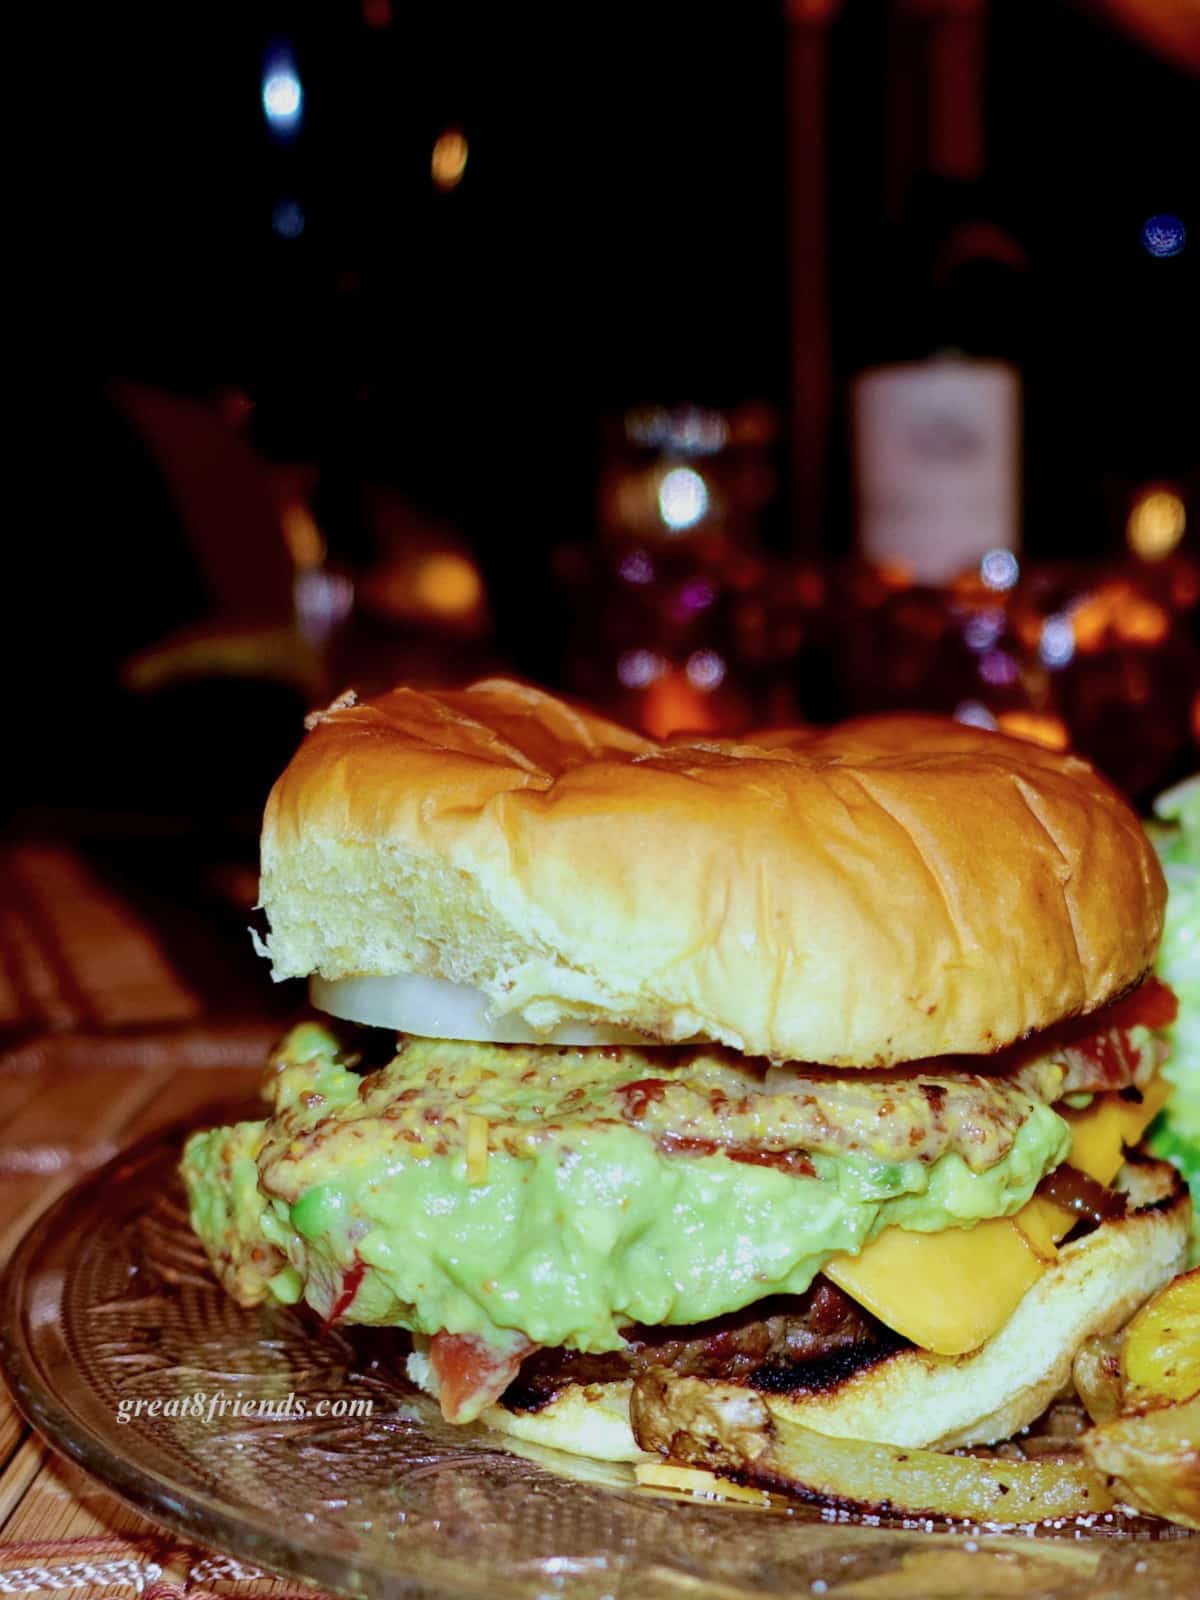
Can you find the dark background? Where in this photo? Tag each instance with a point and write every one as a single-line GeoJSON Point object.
{"type": "Point", "coordinates": [620, 235]}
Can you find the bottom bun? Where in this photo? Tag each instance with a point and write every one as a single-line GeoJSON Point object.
{"type": "Point", "coordinates": [911, 1397]}
{"type": "Point", "coordinates": [586, 1419]}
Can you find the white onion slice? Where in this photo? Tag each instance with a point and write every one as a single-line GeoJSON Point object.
{"type": "Point", "coordinates": [438, 1009]}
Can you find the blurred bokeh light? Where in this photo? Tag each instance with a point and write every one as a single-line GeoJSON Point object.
{"type": "Point", "coordinates": [282, 92]}
{"type": "Point", "coordinates": [1157, 524]}
{"type": "Point", "coordinates": [1163, 235]}
{"type": "Point", "coordinates": [449, 160]}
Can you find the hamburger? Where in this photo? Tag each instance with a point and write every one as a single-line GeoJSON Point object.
{"type": "Point", "coordinates": [810, 1067]}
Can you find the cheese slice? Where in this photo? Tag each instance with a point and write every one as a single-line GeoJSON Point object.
{"type": "Point", "coordinates": [1099, 1136]}
{"type": "Point", "coordinates": [948, 1292]}
{"type": "Point", "coordinates": [1100, 1133]}
{"type": "Point", "coordinates": [696, 1481]}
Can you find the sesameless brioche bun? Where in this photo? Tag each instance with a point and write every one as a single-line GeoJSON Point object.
{"type": "Point", "coordinates": [891, 889]}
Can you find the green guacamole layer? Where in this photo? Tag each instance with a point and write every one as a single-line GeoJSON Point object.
{"type": "Point", "coordinates": [577, 1213]}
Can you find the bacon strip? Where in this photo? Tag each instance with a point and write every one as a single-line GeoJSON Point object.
{"type": "Point", "coordinates": [471, 1375]}
{"type": "Point", "coordinates": [350, 1285]}
{"type": "Point", "coordinates": [1151, 1005]}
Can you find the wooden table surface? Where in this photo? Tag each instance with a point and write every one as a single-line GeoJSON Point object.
{"type": "Point", "coordinates": [109, 1029]}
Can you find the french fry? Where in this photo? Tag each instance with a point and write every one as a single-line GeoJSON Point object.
{"type": "Point", "coordinates": [731, 1431]}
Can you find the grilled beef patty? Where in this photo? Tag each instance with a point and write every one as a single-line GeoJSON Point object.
{"type": "Point", "coordinates": [785, 1343]}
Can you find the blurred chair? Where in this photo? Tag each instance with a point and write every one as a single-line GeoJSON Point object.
{"type": "Point", "coordinates": [225, 500]}
{"type": "Point", "coordinates": [1170, 28]}
{"type": "Point", "coordinates": [230, 511]}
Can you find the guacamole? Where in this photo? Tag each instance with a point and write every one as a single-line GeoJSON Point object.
{"type": "Point", "coordinates": [500, 1190]}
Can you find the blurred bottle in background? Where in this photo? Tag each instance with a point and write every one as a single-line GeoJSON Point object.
{"type": "Point", "coordinates": [1021, 437]}
{"type": "Point", "coordinates": [937, 409]}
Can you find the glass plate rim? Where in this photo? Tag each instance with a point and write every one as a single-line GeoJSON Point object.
{"type": "Point", "coordinates": [71, 1438]}
{"type": "Point", "coordinates": [192, 1512]}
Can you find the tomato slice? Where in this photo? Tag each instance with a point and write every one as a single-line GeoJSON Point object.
{"type": "Point", "coordinates": [1100, 1051]}
{"type": "Point", "coordinates": [471, 1374]}
{"type": "Point", "coordinates": [1151, 1005]}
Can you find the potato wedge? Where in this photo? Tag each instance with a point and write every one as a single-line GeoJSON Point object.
{"type": "Point", "coordinates": [1096, 1374]}
{"type": "Point", "coordinates": [1154, 1458]}
{"type": "Point", "coordinates": [1160, 1358]}
{"type": "Point", "coordinates": [730, 1431]}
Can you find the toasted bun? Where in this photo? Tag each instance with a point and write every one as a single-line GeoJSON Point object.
{"type": "Point", "coordinates": [875, 893]}
{"type": "Point", "coordinates": [913, 1398]}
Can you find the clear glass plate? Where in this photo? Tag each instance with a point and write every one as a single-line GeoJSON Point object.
{"type": "Point", "coordinates": [108, 1301]}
